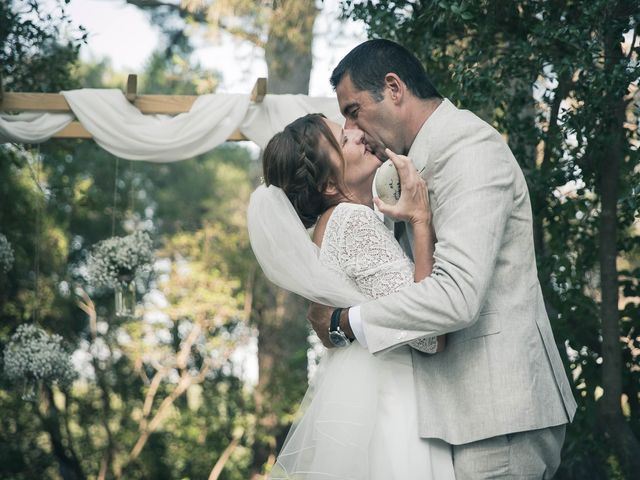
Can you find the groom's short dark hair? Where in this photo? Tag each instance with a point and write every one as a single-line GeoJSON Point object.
{"type": "Point", "coordinates": [368, 63]}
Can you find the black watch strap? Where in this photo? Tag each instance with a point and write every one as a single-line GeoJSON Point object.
{"type": "Point", "coordinates": [335, 319]}
{"type": "Point", "coordinates": [334, 326]}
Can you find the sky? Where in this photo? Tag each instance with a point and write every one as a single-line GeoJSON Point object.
{"type": "Point", "coordinates": [123, 33]}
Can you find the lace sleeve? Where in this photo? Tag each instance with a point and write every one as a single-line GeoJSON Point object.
{"type": "Point", "coordinates": [368, 253]}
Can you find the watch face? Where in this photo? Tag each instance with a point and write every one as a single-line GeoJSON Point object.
{"type": "Point", "coordinates": [338, 339]}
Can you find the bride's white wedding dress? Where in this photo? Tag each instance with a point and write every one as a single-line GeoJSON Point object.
{"type": "Point", "coordinates": [359, 417]}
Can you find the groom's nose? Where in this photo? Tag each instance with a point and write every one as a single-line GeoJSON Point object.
{"type": "Point", "coordinates": [355, 134]}
{"type": "Point", "coordinates": [349, 124]}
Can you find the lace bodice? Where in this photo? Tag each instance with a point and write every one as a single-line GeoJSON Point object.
{"type": "Point", "coordinates": [360, 248]}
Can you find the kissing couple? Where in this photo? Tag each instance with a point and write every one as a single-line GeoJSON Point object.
{"type": "Point", "coordinates": [441, 362]}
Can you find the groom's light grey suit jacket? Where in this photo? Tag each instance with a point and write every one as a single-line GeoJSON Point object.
{"type": "Point", "coordinates": [501, 371]}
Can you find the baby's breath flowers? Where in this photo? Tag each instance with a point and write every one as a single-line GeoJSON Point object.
{"type": "Point", "coordinates": [117, 260]}
{"type": "Point", "coordinates": [33, 356]}
{"type": "Point", "coordinates": [6, 254]}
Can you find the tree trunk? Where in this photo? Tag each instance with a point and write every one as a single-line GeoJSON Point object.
{"type": "Point", "coordinates": [614, 425]}
{"type": "Point", "coordinates": [68, 464]}
{"type": "Point", "coordinates": [540, 197]}
{"type": "Point", "coordinates": [279, 315]}
{"type": "Point", "coordinates": [288, 49]}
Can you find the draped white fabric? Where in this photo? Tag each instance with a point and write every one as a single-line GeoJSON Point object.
{"type": "Point", "coordinates": [32, 127]}
{"type": "Point", "coordinates": [287, 255]}
{"type": "Point", "coordinates": [120, 128]}
{"type": "Point", "coordinates": [269, 117]}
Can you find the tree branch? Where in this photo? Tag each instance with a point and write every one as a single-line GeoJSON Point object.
{"type": "Point", "coordinates": [224, 458]}
{"type": "Point", "coordinates": [201, 16]}
{"type": "Point", "coordinates": [87, 306]}
{"type": "Point", "coordinates": [151, 393]}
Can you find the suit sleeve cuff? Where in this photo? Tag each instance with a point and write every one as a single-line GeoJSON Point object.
{"type": "Point", "coordinates": [356, 325]}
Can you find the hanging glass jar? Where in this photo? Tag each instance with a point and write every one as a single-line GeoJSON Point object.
{"type": "Point", "coordinates": [125, 298]}
{"type": "Point", "coordinates": [116, 262]}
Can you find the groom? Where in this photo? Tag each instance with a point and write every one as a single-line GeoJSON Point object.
{"type": "Point", "coordinates": [498, 393]}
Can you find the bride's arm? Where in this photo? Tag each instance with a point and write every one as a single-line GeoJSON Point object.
{"type": "Point", "coordinates": [423, 248]}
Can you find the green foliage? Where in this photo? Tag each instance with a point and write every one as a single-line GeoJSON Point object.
{"type": "Point", "coordinates": [33, 356]}
{"type": "Point", "coordinates": [59, 199]}
{"type": "Point", "coordinates": [549, 76]}
{"type": "Point", "coordinates": [207, 249]}
{"type": "Point", "coordinates": [177, 76]}
{"type": "Point", "coordinates": [33, 57]}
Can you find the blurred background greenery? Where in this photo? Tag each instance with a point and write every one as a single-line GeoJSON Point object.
{"type": "Point", "coordinates": [204, 380]}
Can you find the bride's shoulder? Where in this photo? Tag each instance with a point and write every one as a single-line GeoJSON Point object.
{"type": "Point", "coordinates": [347, 208]}
{"type": "Point", "coordinates": [339, 217]}
{"type": "Point", "coordinates": [354, 214]}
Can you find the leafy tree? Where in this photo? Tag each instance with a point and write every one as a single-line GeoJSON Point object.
{"type": "Point", "coordinates": [560, 81]}
{"type": "Point", "coordinates": [56, 201]}
{"type": "Point", "coordinates": [32, 57]}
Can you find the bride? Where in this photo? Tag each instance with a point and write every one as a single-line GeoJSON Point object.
{"type": "Point", "coordinates": [358, 419]}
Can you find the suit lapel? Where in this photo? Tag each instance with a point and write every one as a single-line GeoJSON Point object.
{"type": "Point", "coordinates": [398, 230]}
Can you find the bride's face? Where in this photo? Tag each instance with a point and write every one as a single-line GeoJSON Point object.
{"type": "Point", "coordinates": [360, 164]}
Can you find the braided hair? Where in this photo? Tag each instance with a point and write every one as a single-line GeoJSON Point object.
{"type": "Point", "coordinates": [297, 160]}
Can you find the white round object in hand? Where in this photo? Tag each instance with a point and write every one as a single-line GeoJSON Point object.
{"type": "Point", "coordinates": [387, 183]}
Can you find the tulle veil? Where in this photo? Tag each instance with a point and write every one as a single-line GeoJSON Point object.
{"type": "Point", "coordinates": [335, 422]}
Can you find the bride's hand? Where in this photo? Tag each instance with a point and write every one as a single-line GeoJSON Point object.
{"type": "Point", "coordinates": [413, 205]}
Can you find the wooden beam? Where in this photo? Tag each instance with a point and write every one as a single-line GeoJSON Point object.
{"type": "Point", "coordinates": [168, 104]}
{"type": "Point", "coordinates": [55, 102]}
{"type": "Point", "coordinates": [147, 104]}
{"type": "Point", "coordinates": [76, 130]}
{"type": "Point", "coordinates": [132, 87]}
{"type": "Point", "coordinates": [259, 90]}
{"type": "Point", "coordinates": [73, 130]}
{"type": "Point", "coordinates": [236, 136]}
{"type": "Point", "coordinates": [28, 102]}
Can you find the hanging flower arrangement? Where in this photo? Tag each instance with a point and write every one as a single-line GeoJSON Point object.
{"type": "Point", "coordinates": [115, 263]}
{"type": "Point", "coordinates": [6, 254]}
{"type": "Point", "coordinates": [33, 356]}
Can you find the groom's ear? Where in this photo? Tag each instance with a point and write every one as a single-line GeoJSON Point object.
{"type": "Point", "coordinates": [395, 86]}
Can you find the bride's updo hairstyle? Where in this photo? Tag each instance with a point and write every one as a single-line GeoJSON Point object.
{"type": "Point", "coordinates": [297, 160]}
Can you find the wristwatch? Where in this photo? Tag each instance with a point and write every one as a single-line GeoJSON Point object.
{"type": "Point", "coordinates": [337, 337]}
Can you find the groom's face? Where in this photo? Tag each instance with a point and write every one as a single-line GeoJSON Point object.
{"type": "Point", "coordinates": [375, 118]}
